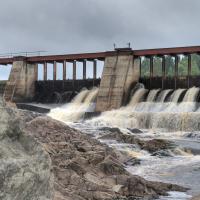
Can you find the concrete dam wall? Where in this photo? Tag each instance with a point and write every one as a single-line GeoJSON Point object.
{"type": "Point", "coordinates": [123, 68]}
{"type": "Point", "coordinates": [20, 86]}
{"type": "Point", "coordinates": [120, 73]}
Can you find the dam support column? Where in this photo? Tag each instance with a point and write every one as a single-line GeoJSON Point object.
{"type": "Point", "coordinates": [176, 71]}
{"type": "Point", "coordinates": [64, 71]}
{"type": "Point", "coordinates": [74, 70]}
{"type": "Point", "coordinates": [151, 70]}
{"type": "Point", "coordinates": [54, 70]}
{"type": "Point", "coordinates": [45, 71]}
{"type": "Point", "coordinates": [21, 84]}
{"type": "Point", "coordinates": [94, 69]}
{"type": "Point", "coordinates": [189, 68]}
{"type": "Point", "coordinates": [163, 72]}
{"type": "Point", "coordinates": [84, 70]}
{"type": "Point", "coordinates": [120, 73]}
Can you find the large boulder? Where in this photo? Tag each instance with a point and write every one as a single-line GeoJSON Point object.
{"type": "Point", "coordinates": [25, 168]}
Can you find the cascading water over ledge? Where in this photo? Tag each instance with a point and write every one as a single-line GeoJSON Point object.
{"type": "Point", "coordinates": [160, 109]}
{"type": "Point", "coordinates": [74, 111]}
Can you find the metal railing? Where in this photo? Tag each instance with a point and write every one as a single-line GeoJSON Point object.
{"type": "Point", "coordinates": [25, 53]}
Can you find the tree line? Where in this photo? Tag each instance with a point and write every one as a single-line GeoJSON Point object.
{"type": "Point", "coordinates": [170, 65]}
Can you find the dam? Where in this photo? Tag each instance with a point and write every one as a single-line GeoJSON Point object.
{"type": "Point", "coordinates": [123, 69]}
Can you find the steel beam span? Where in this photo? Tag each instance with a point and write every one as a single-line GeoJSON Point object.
{"type": "Point", "coordinates": [168, 51]}
{"type": "Point", "coordinates": [102, 55]}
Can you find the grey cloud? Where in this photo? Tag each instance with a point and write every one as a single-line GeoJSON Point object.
{"type": "Point", "coordinates": [67, 26]}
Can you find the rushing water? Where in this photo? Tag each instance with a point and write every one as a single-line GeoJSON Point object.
{"type": "Point", "coordinates": [167, 114]}
{"type": "Point", "coordinates": [74, 111]}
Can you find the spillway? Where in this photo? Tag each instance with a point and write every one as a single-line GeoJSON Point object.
{"type": "Point", "coordinates": [154, 109]}
{"type": "Point", "coordinates": [74, 111]}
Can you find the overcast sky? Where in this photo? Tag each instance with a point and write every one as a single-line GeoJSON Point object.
{"type": "Point", "coordinates": [94, 25]}
{"type": "Point", "coordinates": [72, 26]}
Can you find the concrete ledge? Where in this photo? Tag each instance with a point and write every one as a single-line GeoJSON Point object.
{"type": "Point", "coordinates": [39, 109]}
{"type": "Point", "coordinates": [33, 108]}
{"type": "Point", "coordinates": [89, 115]}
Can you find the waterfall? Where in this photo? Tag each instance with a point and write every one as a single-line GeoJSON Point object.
{"type": "Point", "coordinates": [176, 95]}
{"type": "Point", "coordinates": [80, 97]}
{"type": "Point", "coordinates": [147, 106]}
{"type": "Point", "coordinates": [162, 96]}
{"type": "Point", "coordinates": [91, 96]}
{"type": "Point", "coordinates": [189, 101]}
{"type": "Point", "coordinates": [191, 95]}
{"type": "Point", "coordinates": [74, 111]}
{"type": "Point", "coordinates": [152, 95]}
{"type": "Point", "coordinates": [172, 105]}
{"type": "Point", "coordinates": [137, 96]}
{"type": "Point", "coordinates": [156, 112]}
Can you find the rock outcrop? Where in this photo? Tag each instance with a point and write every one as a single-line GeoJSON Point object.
{"type": "Point", "coordinates": [86, 169]}
{"type": "Point", "coordinates": [152, 145]}
{"type": "Point", "coordinates": [25, 168]}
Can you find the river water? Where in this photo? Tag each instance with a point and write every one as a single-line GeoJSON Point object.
{"type": "Point", "coordinates": [160, 114]}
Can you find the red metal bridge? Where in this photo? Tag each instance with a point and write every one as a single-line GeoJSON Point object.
{"type": "Point", "coordinates": [83, 57]}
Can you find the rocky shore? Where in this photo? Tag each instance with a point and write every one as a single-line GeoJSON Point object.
{"type": "Point", "coordinates": [153, 145]}
{"type": "Point", "coordinates": [43, 159]}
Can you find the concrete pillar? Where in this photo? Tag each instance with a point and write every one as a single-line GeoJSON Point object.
{"type": "Point", "coordinates": [21, 84]}
{"type": "Point", "coordinates": [163, 71]}
{"type": "Point", "coordinates": [64, 70]}
{"type": "Point", "coordinates": [74, 70]}
{"type": "Point", "coordinates": [140, 66]}
{"type": "Point", "coordinates": [176, 71]}
{"type": "Point", "coordinates": [94, 69]}
{"type": "Point", "coordinates": [45, 71]}
{"type": "Point", "coordinates": [120, 74]}
{"type": "Point", "coordinates": [84, 69]}
{"type": "Point", "coordinates": [189, 68]}
{"type": "Point", "coordinates": [54, 71]}
{"type": "Point", "coordinates": [151, 66]}
{"type": "Point", "coordinates": [36, 72]}
{"type": "Point", "coordinates": [151, 71]}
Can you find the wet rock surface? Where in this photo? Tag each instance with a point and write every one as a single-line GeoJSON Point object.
{"type": "Point", "coordinates": [153, 145]}
{"type": "Point", "coordinates": [86, 169]}
{"type": "Point", "coordinates": [135, 130]}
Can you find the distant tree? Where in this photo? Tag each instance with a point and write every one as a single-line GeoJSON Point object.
{"type": "Point", "coordinates": [157, 66]}
{"type": "Point", "coordinates": [170, 66]}
{"type": "Point", "coordinates": [145, 67]}
{"type": "Point", "coordinates": [183, 66]}
{"type": "Point", "coordinates": [195, 65]}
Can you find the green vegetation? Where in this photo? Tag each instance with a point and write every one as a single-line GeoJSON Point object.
{"type": "Point", "coordinates": [170, 65]}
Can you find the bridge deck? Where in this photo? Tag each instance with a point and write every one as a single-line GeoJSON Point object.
{"type": "Point", "coordinates": [102, 55]}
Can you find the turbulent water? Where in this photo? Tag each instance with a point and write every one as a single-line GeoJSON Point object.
{"type": "Point", "coordinates": [166, 114]}
{"type": "Point", "coordinates": [74, 111]}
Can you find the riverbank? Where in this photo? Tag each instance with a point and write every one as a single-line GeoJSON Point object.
{"type": "Point", "coordinates": [49, 160]}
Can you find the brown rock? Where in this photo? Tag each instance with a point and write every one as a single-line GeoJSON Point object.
{"type": "Point", "coordinates": [86, 169]}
